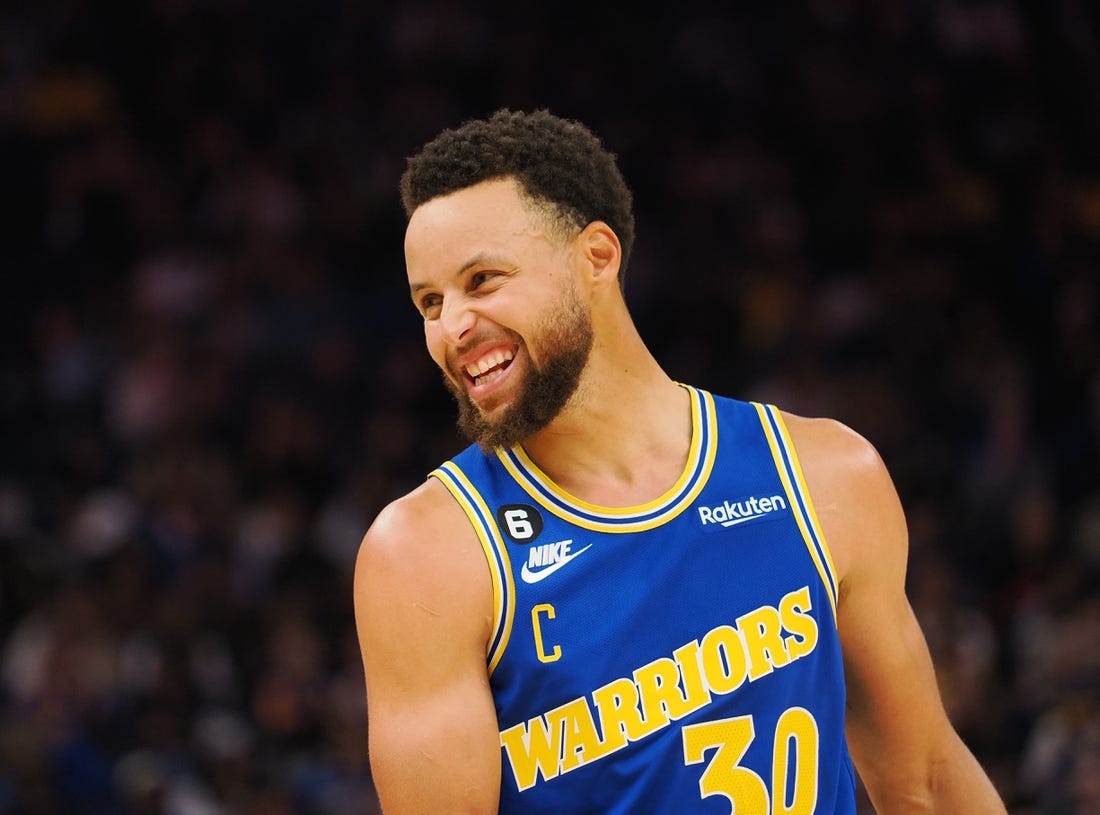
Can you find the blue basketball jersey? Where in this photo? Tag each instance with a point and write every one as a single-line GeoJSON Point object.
{"type": "Point", "coordinates": [676, 657]}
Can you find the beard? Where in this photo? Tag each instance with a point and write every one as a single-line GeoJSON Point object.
{"type": "Point", "coordinates": [564, 342]}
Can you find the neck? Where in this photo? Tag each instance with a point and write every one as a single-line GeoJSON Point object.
{"type": "Point", "coordinates": [624, 437]}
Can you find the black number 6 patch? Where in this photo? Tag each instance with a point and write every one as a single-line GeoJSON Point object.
{"type": "Point", "coordinates": [521, 522]}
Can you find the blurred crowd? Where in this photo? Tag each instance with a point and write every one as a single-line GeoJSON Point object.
{"type": "Point", "coordinates": [212, 377]}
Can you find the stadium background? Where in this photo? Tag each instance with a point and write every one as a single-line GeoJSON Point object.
{"type": "Point", "coordinates": [212, 378]}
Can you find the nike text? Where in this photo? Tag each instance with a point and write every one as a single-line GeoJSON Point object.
{"type": "Point", "coordinates": [547, 558]}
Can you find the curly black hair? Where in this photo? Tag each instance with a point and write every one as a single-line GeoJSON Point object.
{"type": "Point", "coordinates": [559, 163]}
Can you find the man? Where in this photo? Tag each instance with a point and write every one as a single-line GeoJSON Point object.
{"type": "Point", "coordinates": [629, 595]}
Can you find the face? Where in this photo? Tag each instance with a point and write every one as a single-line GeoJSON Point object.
{"type": "Point", "coordinates": [503, 317]}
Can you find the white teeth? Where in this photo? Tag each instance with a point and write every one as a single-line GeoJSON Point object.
{"type": "Point", "coordinates": [487, 362]}
{"type": "Point", "coordinates": [489, 377]}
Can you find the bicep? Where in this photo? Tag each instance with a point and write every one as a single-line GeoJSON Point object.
{"type": "Point", "coordinates": [891, 680]}
{"type": "Point", "coordinates": [436, 753]}
{"type": "Point", "coordinates": [433, 739]}
{"type": "Point", "coordinates": [905, 748]}
{"type": "Point", "coordinates": [895, 719]}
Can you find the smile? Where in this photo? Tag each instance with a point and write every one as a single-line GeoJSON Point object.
{"type": "Point", "coordinates": [489, 367]}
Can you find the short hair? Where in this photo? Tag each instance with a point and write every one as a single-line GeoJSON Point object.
{"type": "Point", "coordinates": [559, 163]}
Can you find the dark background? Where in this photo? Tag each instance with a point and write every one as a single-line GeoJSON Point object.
{"type": "Point", "coordinates": [212, 377]}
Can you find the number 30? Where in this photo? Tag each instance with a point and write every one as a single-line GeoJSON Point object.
{"type": "Point", "coordinates": [746, 790]}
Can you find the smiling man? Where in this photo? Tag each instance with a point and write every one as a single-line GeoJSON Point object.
{"type": "Point", "coordinates": [628, 594]}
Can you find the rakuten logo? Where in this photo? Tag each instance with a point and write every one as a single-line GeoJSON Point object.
{"type": "Point", "coordinates": [731, 513]}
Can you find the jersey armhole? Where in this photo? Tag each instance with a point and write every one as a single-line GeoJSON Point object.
{"type": "Point", "coordinates": [802, 506]}
{"type": "Point", "coordinates": [500, 571]}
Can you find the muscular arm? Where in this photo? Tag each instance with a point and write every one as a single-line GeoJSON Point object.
{"type": "Point", "coordinates": [423, 613]}
{"type": "Point", "coordinates": [908, 754]}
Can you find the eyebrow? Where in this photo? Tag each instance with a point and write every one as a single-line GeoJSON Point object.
{"type": "Point", "coordinates": [480, 259]}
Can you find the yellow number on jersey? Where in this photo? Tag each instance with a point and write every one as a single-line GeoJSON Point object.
{"type": "Point", "coordinates": [794, 757]}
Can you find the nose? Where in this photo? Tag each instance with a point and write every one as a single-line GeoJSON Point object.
{"type": "Point", "coordinates": [456, 319]}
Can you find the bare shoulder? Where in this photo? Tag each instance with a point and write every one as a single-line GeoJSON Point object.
{"type": "Point", "coordinates": [415, 526]}
{"type": "Point", "coordinates": [421, 558]}
{"type": "Point", "coordinates": [828, 442]}
{"type": "Point", "coordinates": [852, 491]}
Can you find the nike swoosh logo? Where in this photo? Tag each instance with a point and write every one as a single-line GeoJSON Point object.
{"type": "Point", "coordinates": [736, 521]}
{"type": "Point", "coordinates": [534, 577]}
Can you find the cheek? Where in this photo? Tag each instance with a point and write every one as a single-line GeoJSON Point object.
{"type": "Point", "coordinates": [437, 349]}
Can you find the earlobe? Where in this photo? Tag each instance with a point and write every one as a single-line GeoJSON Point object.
{"type": "Point", "coordinates": [602, 250]}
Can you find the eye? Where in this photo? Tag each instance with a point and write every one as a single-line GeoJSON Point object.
{"type": "Point", "coordinates": [477, 279]}
{"type": "Point", "coordinates": [429, 305]}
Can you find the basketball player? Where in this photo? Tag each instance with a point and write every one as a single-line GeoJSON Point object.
{"type": "Point", "coordinates": [628, 595]}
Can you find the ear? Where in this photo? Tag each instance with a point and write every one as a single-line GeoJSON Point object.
{"type": "Point", "coordinates": [602, 252]}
